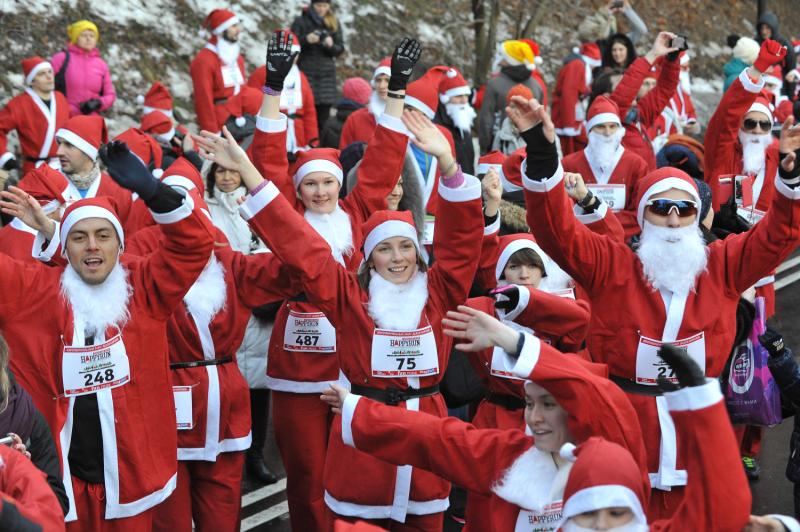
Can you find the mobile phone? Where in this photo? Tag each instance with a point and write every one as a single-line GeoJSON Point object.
{"type": "Point", "coordinates": [8, 441]}
{"type": "Point", "coordinates": [678, 42]}
{"type": "Point", "coordinates": [617, 4]}
{"type": "Point", "coordinates": [743, 191]}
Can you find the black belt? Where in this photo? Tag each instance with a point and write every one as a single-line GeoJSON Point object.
{"type": "Point", "coordinates": [630, 386]}
{"type": "Point", "coordinates": [220, 101]}
{"type": "Point", "coordinates": [199, 363]}
{"type": "Point", "coordinates": [509, 402]}
{"type": "Point", "coordinates": [393, 396]}
{"type": "Point", "coordinates": [38, 159]}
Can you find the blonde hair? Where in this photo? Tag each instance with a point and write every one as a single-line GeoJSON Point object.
{"type": "Point", "coordinates": [330, 20]}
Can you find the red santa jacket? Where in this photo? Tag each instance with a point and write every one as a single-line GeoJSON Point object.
{"type": "Point", "coordinates": [310, 371]}
{"type": "Point", "coordinates": [102, 186]}
{"type": "Point", "coordinates": [629, 318]}
{"type": "Point", "coordinates": [304, 116]}
{"type": "Point", "coordinates": [16, 240]}
{"type": "Point", "coordinates": [356, 483]}
{"type": "Point", "coordinates": [430, 182]}
{"type": "Point", "coordinates": [138, 453]}
{"type": "Point", "coordinates": [36, 125]}
{"type": "Point", "coordinates": [627, 171]}
{"type": "Point", "coordinates": [648, 108]}
{"type": "Point", "coordinates": [679, 112]}
{"type": "Point", "coordinates": [213, 84]}
{"type": "Point", "coordinates": [572, 86]}
{"type": "Point", "coordinates": [25, 487]}
{"type": "Point", "coordinates": [358, 127]}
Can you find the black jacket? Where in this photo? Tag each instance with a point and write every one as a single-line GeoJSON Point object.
{"type": "Point", "coordinates": [465, 149]}
{"type": "Point", "coordinates": [790, 61]}
{"type": "Point", "coordinates": [332, 131]}
{"type": "Point", "coordinates": [316, 61]}
{"type": "Point", "coordinates": [787, 375]}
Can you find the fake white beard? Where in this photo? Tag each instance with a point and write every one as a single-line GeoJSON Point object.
{"type": "Point", "coordinates": [98, 306]}
{"type": "Point", "coordinates": [633, 526]}
{"type": "Point", "coordinates": [227, 51]}
{"type": "Point", "coordinates": [376, 105]}
{"type": "Point", "coordinates": [397, 307]}
{"type": "Point", "coordinates": [208, 294]}
{"type": "Point", "coordinates": [602, 150]}
{"type": "Point", "coordinates": [672, 258]}
{"type": "Point", "coordinates": [533, 481]}
{"type": "Point", "coordinates": [165, 138]}
{"type": "Point", "coordinates": [754, 151]}
{"type": "Point", "coordinates": [685, 80]}
{"type": "Point", "coordinates": [462, 114]}
{"type": "Point", "coordinates": [336, 229]}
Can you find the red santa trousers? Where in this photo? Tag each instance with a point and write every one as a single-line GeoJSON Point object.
{"type": "Point", "coordinates": [414, 523]}
{"type": "Point", "coordinates": [664, 503]}
{"type": "Point", "coordinates": [749, 437]}
{"type": "Point", "coordinates": [208, 492]}
{"type": "Point", "coordinates": [302, 424]}
{"type": "Point", "coordinates": [90, 503]}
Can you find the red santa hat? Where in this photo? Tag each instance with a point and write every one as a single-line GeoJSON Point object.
{"type": "Point", "coordinates": [99, 207]}
{"type": "Point", "coordinates": [46, 185]}
{"type": "Point", "coordinates": [158, 124]}
{"type": "Point", "coordinates": [453, 84]}
{"type": "Point", "coordinates": [384, 68]}
{"type": "Point", "coordinates": [387, 224]}
{"type": "Point", "coordinates": [604, 475]}
{"type": "Point", "coordinates": [511, 178]}
{"type": "Point", "coordinates": [157, 98]}
{"type": "Point", "coordinates": [774, 75]}
{"type": "Point", "coordinates": [422, 94]}
{"type": "Point", "coordinates": [247, 102]}
{"type": "Point", "coordinates": [602, 111]}
{"type": "Point", "coordinates": [591, 53]}
{"type": "Point", "coordinates": [493, 159]}
{"type": "Point", "coordinates": [143, 146]}
{"type": "Point", "coordinates": [220, 20]}
{"type": "Point", "coordinates": [87, 133]}
{"type": "Point", "coordinates": [32, 66]}
{"type": "Point", "coordinates": [510, 244]}
{"type": "Point", "coordinates": [318, 160]}
{"type": "Point", "coordinates": [184, 174]}
{"type": "Point", "coordinates": [762, 104]}
{"type": "Point", "coordinates": [661, 180]}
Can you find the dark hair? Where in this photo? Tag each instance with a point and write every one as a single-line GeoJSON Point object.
{"type": "Point", "coordinates": [731, 40]}
{"type": "Point", "coordinates": [608, 59]}
{"type": "Point", "coordinates": [602, 84]}
{"type": "Point", "coordinates": [211, 179]}
{"type": "Point", "coordinates": [525, 257]}
{"type": "Point", "coordinates": [365, 271]}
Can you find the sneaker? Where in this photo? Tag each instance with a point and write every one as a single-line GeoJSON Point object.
{"type": "Point", "coordinates": [751, 467]}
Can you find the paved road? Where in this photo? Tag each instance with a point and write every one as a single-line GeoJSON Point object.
{"type": "Point", "coordinates": [264, 509]}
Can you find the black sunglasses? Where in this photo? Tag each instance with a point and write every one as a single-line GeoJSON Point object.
{"type": "Point", "coordinates": [750, 124]}
{"type": "Point", "coordinates": [663, 207]}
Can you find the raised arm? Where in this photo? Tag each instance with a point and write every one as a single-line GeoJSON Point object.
{"type": "Point", "coordinates": [262, 278]}
{"type": "Point", "coordinates": [654, 102]}
{"type": "Point", "coordinates": [628, 87]}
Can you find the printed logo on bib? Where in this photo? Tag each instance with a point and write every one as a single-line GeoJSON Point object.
{"type": "Point", "coordinates": [650, 366]}
{"type": "Point", "coordinates": [309, 332]}
{"type": "Point", "coordinates": [183, 407]}
{"type": "Point", "coordinates": [404, 353]}
{"type": "Point", "coordinates": [231, 75]}
{"type": "Point", "coordinates": [545, 521]}
{"type": "Point", "coordinates": [92, 368]}
{"type": "Point", "coordinates": [613, 195]}
{"type": "Point", "coordinates": [568, 293]}
{"type": "Point", "coordinates": [750, 214]}
{"type": "Point", "coordinates": [502, 365]}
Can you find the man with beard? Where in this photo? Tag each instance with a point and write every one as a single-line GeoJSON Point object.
{"type": "Point", "coordinates": [360, 126]}
{"type": "Point", "coordinates": [217, 70]}
{"type": "Point", "coordinates": [457, 116]}
{"type": "Point", "coordinates": [671, 290]}
{"type": "Point", "coordinates": [516, 62]}
{"type": "Point", "coordinates": [610, 171]}
{"type": "Point", "coordinates": [90, 342]}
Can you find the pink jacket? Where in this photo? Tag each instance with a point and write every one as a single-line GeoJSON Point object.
{"type": "Point", "coordinates": [87, 77]}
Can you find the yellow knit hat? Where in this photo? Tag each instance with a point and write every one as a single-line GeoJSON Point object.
{"type": "Point", "coordinates": [517, 53]}
{"type": "Point", "coordinates": [73, 30]}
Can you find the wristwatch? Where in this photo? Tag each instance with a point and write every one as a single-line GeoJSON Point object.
{"type": "Point", "coordinates": [588, 203]}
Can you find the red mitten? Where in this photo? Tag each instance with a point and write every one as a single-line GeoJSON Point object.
{"type": "Point", "coordinates": [771, 52]}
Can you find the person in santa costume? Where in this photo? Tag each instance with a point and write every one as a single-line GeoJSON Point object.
{"type": "Point", "coordinates": [304, 344]}
{"type": "Point", "coordinates": [360, 125]}
{"type": "Point", "coordinates": [36, 115]}
{"type": "Point", "coordinates": [672, 290]}
{"type": "Point", "coordinates": [217, 70]}
{"type": "Point", "coordinates": [297, 103]}
{"type": "Point", "coordinates": [609, 170]}
{"type": "Point", "coordinates": [457, 115]}
{"type": "Point", "coordinates": [679, 116]}
{"type": "Point", "coordinates": [89, 339]}
{"type": "Point", "coordinates": [158, 119]}
{"type": "Point", "coordinates": [26, 500]}
{"type": "Point", "coordinates": [389, 314]}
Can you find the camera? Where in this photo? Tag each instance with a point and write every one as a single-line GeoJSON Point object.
{"type": "Point", "coordinates": [617, 4]}
{"type": "Point", "coordinates": [678, 42]}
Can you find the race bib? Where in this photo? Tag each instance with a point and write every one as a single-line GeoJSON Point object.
{"type": "Point", "coordinates": [427, 236]}
{"type": "Point", "coordinates": [568, 293]}
{"type": "Point", "coordinates": [612, 195]}
{"type": "Point", "coordinates": [502, 365]}
{"type": "Point", "coordinates": [650, 366]}
{"type": "Point", "coordinates": [183, 407]}
{"type": "Point", "coordinates": [404, 353]}
{"type": "Point", "coordinates": [88, 369]}
{"type": "Point", "coordinates": [309, 332]}
{"type": "Point", "coordinates": [750, 214]}
{"type": "Point", "coordinates": [231, 75]}
{"type": "Point", "coordinates": [546, 521]}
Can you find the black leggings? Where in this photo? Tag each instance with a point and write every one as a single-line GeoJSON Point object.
{"type": "Point", "coordinates": [259, 417]}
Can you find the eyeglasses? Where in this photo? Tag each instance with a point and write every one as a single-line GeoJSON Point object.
{"type": "Point", "coordinates": [750, 124]}
{"type": "Point", "coordinates": [663, 207]}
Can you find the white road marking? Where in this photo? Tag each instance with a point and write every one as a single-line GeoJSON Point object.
{"type": "Point", "coordinates": [263, 493]}
{"type": "Point", "coordinates": [786, 281]}
{"type": "Point", "coordinates": [788, 265]}
{"type": "Point", "coordinates": [265, 516]}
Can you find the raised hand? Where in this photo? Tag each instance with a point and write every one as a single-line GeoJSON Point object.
{"type": "Point", "coordinates": [661, 46]}
{"type": "Point", "coordinates": [575, 185]}
{"type": "Point", "coordinates": [18, 203]}
{"type": "Point", "coordinates": [771, 52]}
{"type": "Point", "coordinates": [684, 368]}
{"type": "Point", "coordinates": [478, 330]}
{"type": "Point", "coordinates": [505, 297]}
{"type": "Point", "coordinates": [335, 396]}
{"type": "Point", "coordinates": [427, 136]}
{"type": "Point", "coordinates": [280, 59]}
{"type": "Point", "coordinates": [128, 170]}
{"type": "Point", "coordinates": [773, 342]}
{"type": "Point", "coordinates": [530, 113]}
{"type": "Point", "coordinates": [492, 190]}
{"type": "Point", "coordinates": [404, 58]}
{"type": "Point", "coordinates": [221, 150]}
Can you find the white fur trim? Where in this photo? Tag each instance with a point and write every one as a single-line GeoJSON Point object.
{"type": "Point", "coordinates": [468, 191]}
{"type": "Point", "coordinates": [348, 411]}
{"type": "Point", "coordinates": [46, 254]}
{"type": "Point", "coordinates": [522, 304]}
{"type": "Point", "coordinates": [272, 125]}
{"type": "Point", "coordinates": [694, 397]}
{"type": "Point", "coordinates": [7, 156]}
{"type": "Point", "coordinates": [533, 481]}
{"type": "Point", "coordinates": [393, 123]}
{"type": "Point", "coordinates": [748, 84]}
{"type": "Point", "coordinates": [35, 70]}
{"type": "Point", "coordinates": [318, 165]}
{"type": "Point", "coordinates": [773, 80]}
{"type": "Point", "coordinates": [464, 90]}
{"type": "Point", "coordinates": [225, 25]}
{"type": "Point", "coordinates": [662, 186]}
{"type": "Point", "coordinates": [147, 110]}
{"type": "Point", "coordinates": [77, 141]}
{"type": "Point", "coordinates": [759, 107]}
{"type": "Point", "coordinates": [528, 357]}
{"type": "Point", "coordinates": [592, 217]}
{"type": "Point", "coordinates": [510, 249]}
{"type": "Point", "coordinates": [381, 70]}
{"type": "Point", "coordinates": [389, 229]}
{"type": "Point", "coordinates": [179, 181]}
{"type": "Point", "coordinates": [791, 524]}
{"type": "Point", "coordinates": [261, 199]}
{"type": "Point", "coordinates": [603, 118]}
{"type": "Point", "coordinates": [419, 105]}
{"type": "Point", "coordinates": [603, 496]}
{"type": "Point", "coordinates": [90, 211]}
{"type": "Point", "coordinates": [785, 190]}
{"type": "Point", "coordinates": [542, 186]}
{"type": "Point", "coordinates": [485, 167]}
{"type": "Point", "coordinates": [493, 227]}
{"type": "Point", "coordinates": [182, 212]}
{"type": "Point", "coordinates": [286, 385]}
{"type": "Point", "coordinates": [367, 511]}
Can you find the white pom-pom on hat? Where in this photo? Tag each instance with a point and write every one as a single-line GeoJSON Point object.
{"type": "Point", "coordinates": [240, 121]}
{"type": "Point", "coordinates": [157, 173]}
{"type": "Point", "coordinates": [140, 99]}
{"type": "Point", "coordinates": [451, 73]}
{"type": "Point", "coordinates": [567, 452]}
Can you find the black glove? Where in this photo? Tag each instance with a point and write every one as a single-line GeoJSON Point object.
{"type": "Point", "coordinates": [11, 164]}
{"type": "Point", "coordinates": [280, 59]}
{"type": "Point", "coordinates": [505, 297]}
{"type": "Point", "coordinates": [90, 106]}
{"type": "Point", "coordinates": [683, 367]}
{"type": "Point", "coordinates": [404, 58]}
{"type": "Point", "coordinates": [729, 220]}
{"type": "Point", "coordinates": [772, 342]}
{"type": "Point", "coordinates": [128, 170]}
{"type": "Point", "coordinates": [672, 56]}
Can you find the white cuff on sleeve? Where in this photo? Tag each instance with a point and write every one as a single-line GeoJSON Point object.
{"type": "Point", "coordinates": [469, 190]}
{"type": "Point", "coordinates": [348, 410]}
{"type": "Point", "coordinates": [42, 253]}
{"type": "Point", "coordinates": [261, 199]}
{"type": "Point", "coordinates": [785, 190]}
{"type": "Point", "coordinates": [393, 123]}
{"type": "Point", "coordinates": [270, 125]}
{"type": "Point", "coordinates": [591, 217]}
{"type": "Point", "coordinates": [7, 156]}
{"type": "Point", "coordinates": [528, 357]}
{"type": "Point", "coordinates": [492, 228]}
{"type": "Point", "coordinates": [542, 186]}
{"type": "Point", "coordinates": [748, 84]}
{"type": "Point", "coordinates": [694, 397]}
{"type": "Point", "coordinates": [182, 212]}
{"type": "Point", "coordinates": [524, 299]}
{"type": "Point", "coordinates": [791, 524]}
